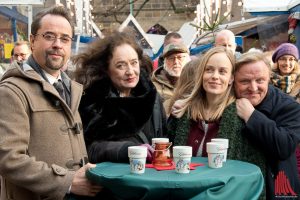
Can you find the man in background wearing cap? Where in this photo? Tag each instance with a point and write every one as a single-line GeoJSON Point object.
{"type": "Point", "coordinates": [171, 37]}
{"type": "Point", "coordinates": [175, 55]}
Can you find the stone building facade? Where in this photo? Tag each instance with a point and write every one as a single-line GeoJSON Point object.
{"type": "Point", "coordinates": [171, 14]}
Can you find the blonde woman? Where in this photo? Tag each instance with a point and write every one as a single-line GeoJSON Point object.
{"type": "Point", "coordinates": [209, 111]}
{"type": "Point", "coordinates": [206, 103]}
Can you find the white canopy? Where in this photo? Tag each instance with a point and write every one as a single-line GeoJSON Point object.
{"type": "Point", "coordinates": [269, 5]}
{"type": "Point", "coordinates": [22, 2]}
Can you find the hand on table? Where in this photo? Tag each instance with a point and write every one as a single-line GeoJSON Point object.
{"type": "Point", "coordinates": [81, 185]}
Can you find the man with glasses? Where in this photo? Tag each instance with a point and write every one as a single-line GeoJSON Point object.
{"type": "Point", "coordinates": [175, 55]}
{"type": "Point", "coordinates": [171, 37]}
{"type": "Point", "coordinates": [42, 150]}
{"type": "Point", "coordinates": [20, 52]}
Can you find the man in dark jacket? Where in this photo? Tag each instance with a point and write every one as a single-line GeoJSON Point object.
{"type": "Point", "coordinates": [272, 123]}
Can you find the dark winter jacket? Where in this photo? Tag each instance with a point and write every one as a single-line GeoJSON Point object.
{"type": "Point", "coordinates": [112, 123]}
{"type": "Point", "coordinates": [275, 127]}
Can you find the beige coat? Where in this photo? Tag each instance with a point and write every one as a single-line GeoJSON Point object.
{"type": "Point", "coordinates": [163, 86]}
{"type": "Point", "coordinates": [40, 146]}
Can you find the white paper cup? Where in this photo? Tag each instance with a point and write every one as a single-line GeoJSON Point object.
{"type": "Point", "coordinates": [182, 158]}
{"type": "Point", "coordinates": [215, 152]}
{"type": "Point", "coordinates": [223, 141]}
{"type": "Point", "coordinates": [137, 159]}
{"type": "Point", "coordinates": [156, 140]}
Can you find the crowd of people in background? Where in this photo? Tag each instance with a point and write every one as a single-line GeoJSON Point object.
{"type": "Point", "coordinates": [117, 98]}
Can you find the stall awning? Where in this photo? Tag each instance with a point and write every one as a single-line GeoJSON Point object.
{"type": "Point", "coordinates": [269, 7]}
{"type": "Point", "coordinates": [10, 13]}
{"type": "Point", "coordinates": [242, 28]}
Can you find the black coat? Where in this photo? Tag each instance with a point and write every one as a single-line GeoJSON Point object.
{"type": "Point", "coordinates": [274, 127]}
{"type": "Point", "coordinates": [112, 123]}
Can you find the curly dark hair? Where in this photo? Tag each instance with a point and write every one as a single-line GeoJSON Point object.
{"type": "Point", "coordinates": [93, 63]}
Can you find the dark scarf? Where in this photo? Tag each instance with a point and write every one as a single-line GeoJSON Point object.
{"type": "Point", "coordinates": [108, 116]}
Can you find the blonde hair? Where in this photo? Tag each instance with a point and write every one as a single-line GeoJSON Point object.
{"type": "Point", "coordinates": [185, 83]}
{"type": "Point", "coordinates": [196, 103]}
{"type": "Point", "coordinates": [251, 57]}
{"type": "Point", "coordinates": [268, 56]}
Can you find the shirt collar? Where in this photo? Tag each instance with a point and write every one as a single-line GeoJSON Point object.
{"type": "Point", "coordinates": [51, 78]}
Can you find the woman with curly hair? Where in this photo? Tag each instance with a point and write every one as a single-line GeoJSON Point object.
{"type": "Point", "coordinates": [120, 106]}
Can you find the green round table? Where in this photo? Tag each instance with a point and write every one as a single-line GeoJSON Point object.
{"type": "Point", "coordinates": [235, 180]}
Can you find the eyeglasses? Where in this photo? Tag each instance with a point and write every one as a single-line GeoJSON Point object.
{"type": "Point", "coordinates": [51, 37]}
{"type": "Point", "coordinates": [172, 58]}
{"type": "Point", "coordinates": [23, 55]}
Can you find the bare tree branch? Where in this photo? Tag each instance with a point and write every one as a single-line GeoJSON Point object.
{"type": "Point", "coordinates": [116, 18]}
{"type": "Point", "coordinates": [121, 7]}
{"type": "Point", "coordinates": [172, 5]}
{"type": "Point", "coordinates": [141, 7]}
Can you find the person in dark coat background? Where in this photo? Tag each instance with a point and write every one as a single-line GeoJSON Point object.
{"type": "Point", "coordinates": [120, 106]}
{"type": "Point", "coordinates": [272, 123]}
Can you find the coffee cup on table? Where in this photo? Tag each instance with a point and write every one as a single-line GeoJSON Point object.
{"type": "Point", "coordinates": [137, 159]}
{"type": "Point", "coordinates": [215, 153]}
{"type": "Point", "coordinates": [182, 158]}
{"type": "Point", "coordinates": [223, 141]}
